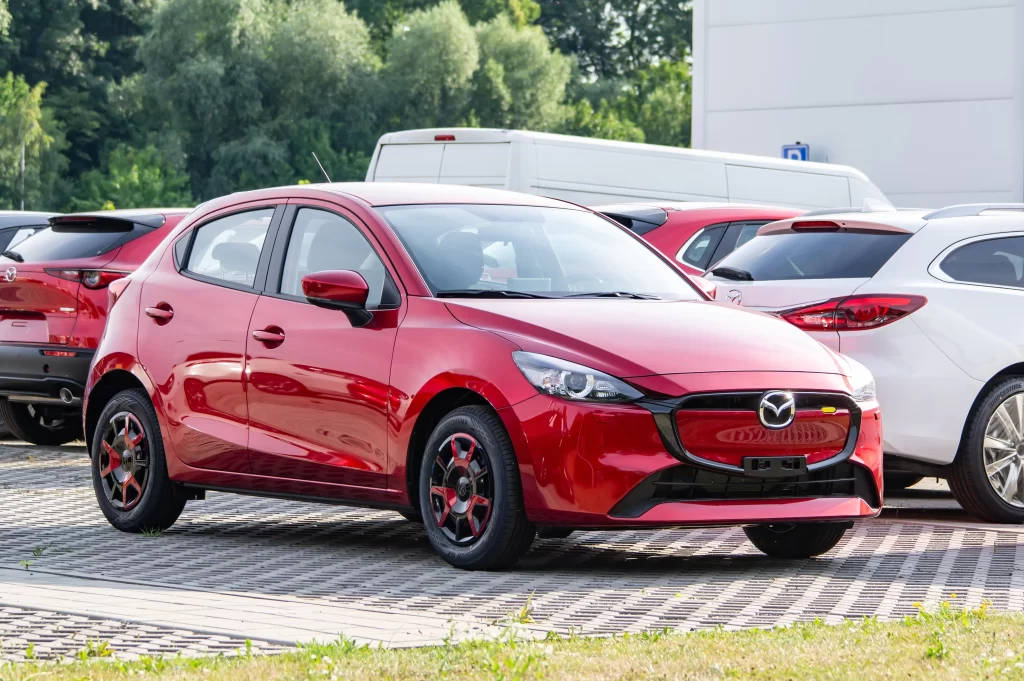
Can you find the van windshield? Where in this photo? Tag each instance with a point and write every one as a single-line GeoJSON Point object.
{"type": "Point", "coordinates": [530, 251]}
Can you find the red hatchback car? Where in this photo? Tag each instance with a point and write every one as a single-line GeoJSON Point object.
{"type": "Point", "coordinates": [53, 306]}
{"type": "Point", "coordinates": [489, 362]}
{"type": "Point", "coordinates": [696, 235]}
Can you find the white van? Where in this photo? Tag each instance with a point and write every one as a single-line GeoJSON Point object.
{"type": "Point", "coordinates": [592, 171]}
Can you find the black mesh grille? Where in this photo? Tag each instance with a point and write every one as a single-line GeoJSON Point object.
{"type": "Point", "coordinates": [687, 483]}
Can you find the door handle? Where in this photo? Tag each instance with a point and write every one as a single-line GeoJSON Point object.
{"type": "Point", "coordinates": [269, 337]}
{"type": "Point", "coordinates": [161, 314]}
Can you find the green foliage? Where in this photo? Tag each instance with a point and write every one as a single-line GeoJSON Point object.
{"type": "Point", "coordinates": [132, 178]}
{"type": "Point", "coordinates": [5, 16]}
{"type": "Point", "coordinates": [23, 120]}
{"type": "Point", "coordinates": [604, 123]}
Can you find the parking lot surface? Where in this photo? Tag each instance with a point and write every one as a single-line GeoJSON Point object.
{"type": "Point", "coordinates": [279, 572]}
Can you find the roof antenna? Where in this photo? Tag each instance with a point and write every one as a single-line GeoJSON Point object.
{"type": "Point", "coordinates": [321, 166]}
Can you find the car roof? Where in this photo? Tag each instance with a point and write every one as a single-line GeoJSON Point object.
{"type": "Point", "coordinates": [907, 220]}
{"type": "Point", "coordinates": [409, 193]}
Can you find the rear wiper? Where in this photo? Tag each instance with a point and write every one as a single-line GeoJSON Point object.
{"type": "Point", "coordinates": [615, 294]}
{"type": "Point", "coordinates": [732, 273]}
{"type": "Point", "coordinates": [16, 257]}
{"type": "Point", "coordinates": [487, 293]}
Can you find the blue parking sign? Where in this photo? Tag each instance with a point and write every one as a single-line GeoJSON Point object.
{"type": "Point", "coordinates": [796, 152]}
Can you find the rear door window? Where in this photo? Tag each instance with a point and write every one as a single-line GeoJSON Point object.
{"type": "Point", "coordinates": [229, 248]}
{"type": "Point", "coordinates": [65, 242]}
{"type": "Point", "coordinates": [999, 262]}
{"type": "Point", "coordinates": [815, 255]}
{"type": "Point", "coordinates": [698, 251]}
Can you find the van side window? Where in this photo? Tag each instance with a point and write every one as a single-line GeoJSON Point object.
{"type": "Point", "coordinates": [229, 248]}
{"type": "Point", "coordinates": [999, 262]}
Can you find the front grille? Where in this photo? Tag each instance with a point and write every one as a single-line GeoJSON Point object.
{"type": "Point", "coordinates": [687, 483]}
{"type": "Point", "coordinates": [716, 431]}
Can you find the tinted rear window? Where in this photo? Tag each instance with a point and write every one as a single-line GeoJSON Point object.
{"type": "Point", "coordinates": [815, 255]}
{"type": "Point", "coordinates": [46, 244]}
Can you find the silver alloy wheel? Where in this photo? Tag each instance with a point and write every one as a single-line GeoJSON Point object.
{"type": "Point", "coordinates": [1004, 450]}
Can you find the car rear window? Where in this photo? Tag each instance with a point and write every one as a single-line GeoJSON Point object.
{"type": "Point", "coordinates": [70, 243]}
{"type": "Point", "coordinates": [814, 255]}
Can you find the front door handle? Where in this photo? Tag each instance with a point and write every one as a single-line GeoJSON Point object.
{"type": "Point", "coordinates": [268, 336]}
{"type": "Point", "coordinates": [161, 314]}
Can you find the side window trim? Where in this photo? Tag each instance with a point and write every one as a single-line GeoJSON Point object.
{"type": "Point", "coordinates": [259, 283]}
{"type": "Point", "coordinates": [935, 267]}
{"type": "Point", "coordinates": [276, 262]}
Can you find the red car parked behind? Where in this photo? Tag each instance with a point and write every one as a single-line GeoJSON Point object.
{"type": "Point", "coordinates": [53, 307]}
{"type": "Point", "coordinates": [488, 362]}
{"type": "Point", "coordinates": [696, 235]}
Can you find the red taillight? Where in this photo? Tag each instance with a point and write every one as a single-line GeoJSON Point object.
{"type": "Point", "coordinates": [854, 312]}
{"type": "Point", "coordinates": [444, 138]}
{"type": "Point", "coordinates": [59, 353]}
{"type": "Point", "coordinates": [115, 290]}
{"type": "Point", "coordinates": [815, 226]}
{"type": "Point", "coordinates": [94, 279]}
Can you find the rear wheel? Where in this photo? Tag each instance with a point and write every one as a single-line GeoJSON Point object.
{"type": "Point", "coordinates": [987, 476]}
{"type": "Point", "coordinates": [129, 471]}
{"type": "Point", "coordinates": [799, 540]}
{"type": "Point", "coordinates": [41, 425]}
{"type": "Point", "coordinates": [470, 493]}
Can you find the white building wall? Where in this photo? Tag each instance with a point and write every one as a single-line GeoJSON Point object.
{"type": "Point", "coordinates": [924, 96]}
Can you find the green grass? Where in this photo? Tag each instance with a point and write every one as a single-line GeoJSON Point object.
{"type": "Point", "coordinates": [947, 644]}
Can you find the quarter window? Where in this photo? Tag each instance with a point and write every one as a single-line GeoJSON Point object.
{"type": "Point", "coordinates": [229, 248]}
{"type": "Point", "coordinates": [322, 241]}
{"type": "Point", "coordinates": [999, 262]}
{"type": "Point", "coordinates": [699, 251]}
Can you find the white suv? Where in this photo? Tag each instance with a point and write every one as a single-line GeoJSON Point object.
{"type": "Point", "coordinates": [933, 304]}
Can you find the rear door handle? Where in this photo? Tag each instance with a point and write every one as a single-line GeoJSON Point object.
{"type": "Point", "coordinates": [268, 336]}
{"type": "Point", "coordinates": [164, 314]}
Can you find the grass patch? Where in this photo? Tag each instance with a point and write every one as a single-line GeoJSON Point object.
{"type": "Point", "coordinates": [948, 644]}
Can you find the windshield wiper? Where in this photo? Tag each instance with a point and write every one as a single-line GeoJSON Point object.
{"type": "Point", "coordinates": [487, 293]}
{"type": "Point", "coordinates": [733, 273]}
{"type": "Point", "coordinates": [16, 257]}
{"type": "Point", "coordinates": [615, 294]}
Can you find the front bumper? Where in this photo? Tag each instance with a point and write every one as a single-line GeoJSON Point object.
{"type": "Point", "coordinates": [591, 465]}
{"type": "Point", "coordinates": [29, 375]}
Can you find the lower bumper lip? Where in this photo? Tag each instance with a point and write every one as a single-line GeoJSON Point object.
{"type": "Point", "coordinates": [755, 512]}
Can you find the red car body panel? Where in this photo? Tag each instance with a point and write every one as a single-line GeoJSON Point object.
{"type": "Point", "coordinates": [330, 411]}
{"type": "Point", "coordinates": [685, 220]}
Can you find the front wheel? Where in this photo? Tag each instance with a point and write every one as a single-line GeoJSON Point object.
{"type": "Point", "coordinates": [800, 540]}
{"type": "Point", "coordinates": [470, 494]}
{"type": "Point", "coordinates": [129, 471]}
{"type": "Point", "coordinates": [45, 426]}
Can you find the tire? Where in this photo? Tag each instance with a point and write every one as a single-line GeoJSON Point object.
{"type": "Point", "coordinates": [968, 480]}
{"type": "Point", "coordinates": [155, 502]}
{"type": "Point", "coordinates": [898, 481]}
{"type": "Point", "coordinates": [801, 540]}
{"type": "Point", "coordinates": [463, 530]}
{"type": "Point", "coordinates": [27, 422]}
{"type": "Point", "coordinates": [411, 516]}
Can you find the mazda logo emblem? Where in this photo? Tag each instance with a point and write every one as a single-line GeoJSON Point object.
{"type": "Point", "coordinates": [11, 274]}
{"type": "Point", "coordinates": [735, 297]}
{"type": "Point", "coordinates": [777, 409]}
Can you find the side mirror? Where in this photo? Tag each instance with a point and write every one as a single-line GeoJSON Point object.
{"type": "Point", "coordinates": [706, 287]}
{"type": "Point", "coordinates": [343, 290]}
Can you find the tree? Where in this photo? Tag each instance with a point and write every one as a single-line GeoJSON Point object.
{"type": "Point", "coordinates": [5, 16]}
{"type": "Point", "coordinates": [521, 82]}
{"type": "Point", "coordinates": [605, 123]}
{"type": "Point", "coordinates": [22, 132]}
{"type": "Point", "coordinates": [432, 57]}
{"type": "Point", "coordinates": [132, 178]}
{"type": "Point", "coordinates": [659, 103]}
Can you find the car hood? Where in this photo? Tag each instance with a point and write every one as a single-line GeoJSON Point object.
{"type": "Point", "coordinates": [631, 338]}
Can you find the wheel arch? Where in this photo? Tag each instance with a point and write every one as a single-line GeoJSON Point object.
{"type": "Point", "coordinates": [1009, 372]}
{"type": "Point", "coordinates": [109, 385]}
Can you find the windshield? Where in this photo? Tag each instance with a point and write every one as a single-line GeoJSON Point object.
{"type": "Point", "coordinates": [811, 255]}
{"type": "Point", "coordinates": [529, 250]}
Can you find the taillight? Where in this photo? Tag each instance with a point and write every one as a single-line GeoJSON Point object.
{"type": "Point", "coordinates": [815, 226]}
{"type": "Point", "coordinates": [853, 312]}
{"type": "Point", "coordinates": [115, 290]}
{"type": "Point", "coordinates": [444, 138]}
{"type": "Point", "coordinates": [93, 279]}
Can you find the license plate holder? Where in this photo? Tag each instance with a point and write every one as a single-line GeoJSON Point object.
{"type": "Point", "coordinates": [24, 331]}
{"type": "Point", "coordinates": [775, 466]}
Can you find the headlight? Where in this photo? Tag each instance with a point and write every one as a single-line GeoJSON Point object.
{"type": "Point", "coordinates": [862, 382]}
{"type": "Point", "coordinates": [571, 381]}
